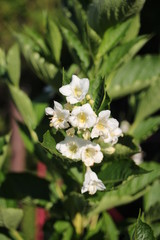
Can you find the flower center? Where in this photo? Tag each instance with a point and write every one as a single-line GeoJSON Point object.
{"type": "Point", "coordinates": [100, 126]}
{"type": "Point", "coordinates": [73, 148]}
{"type": "Point", "coordinates": [82, 117]}
{"type": "Point", "coordinates": [90, 152]}
{"type": "Point", "coordinates": [77, 92]}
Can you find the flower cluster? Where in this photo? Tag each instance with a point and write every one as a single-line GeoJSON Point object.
{"type": "Point", "coordinates": [84, 130]}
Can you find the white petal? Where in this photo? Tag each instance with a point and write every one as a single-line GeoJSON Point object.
{"type": "Point", "coordinates": [113, 123]}
{"type": "Point", "coordinates": [71, 99]}
{"type": "Point", "coordinates": [65, 90]}
{"type": "Point", "coordinates": [98, 157]}
{"type": "Point", "coordinates": [117, 132]}
{"type": "Point", "coordinates": [57, 105]}
{"type": "Point", "coordinates": [49, 111]}
{"type": "Point", "coordinates": [95, 133]}
{"type": "Point", "coordinates": [75, 81]}
{"type": "Point", "coordinates": [104, 114]}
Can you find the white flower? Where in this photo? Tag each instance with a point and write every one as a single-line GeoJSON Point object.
{"type": "Point", "coordinates": [59, 116]}
{"type": "Point", "coordinates": [101, 125]}
{"type": "Point", "coordinates": [75, 91]}
{"type": "Point", "coordinates": [107, 128]}
{"type": "Point", "coordinates": [83, 117]}
{"type": "Point", "coordinates": [113, 132]}
{"type": "Point", "coordinates": [91, 153]}
{"type": "Point", "coordinates": [92, 183]}
{"type": "Point", "coordinates": [71, 147]}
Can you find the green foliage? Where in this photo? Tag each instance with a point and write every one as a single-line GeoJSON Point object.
{"type": "Point", "coordinates": [10, 217]}
{"type": "Point", "coordinates": [13, 63]}
{"type": "Point", "coordinates": [106, 13]}
{"type": "Point", "coordinates": [2, 62]}
{"type": "Point", "coordinates": [146, 128]}
{"type": "Point", "coordinates": [24, 105]}
{"type": "Point", "coordinates": [4, 147]}
{"type": "Point", "coordinates": [117, 171]}
{"type": "Point", "coordinates": [80, 53]}
{"type": "Point", "coordinates": [133, 76]}
{"type": "Point", "coordinates": [152, 96]}
{"type": "Point", "coordinates": [98, 41]}
{"type": "Point", "coordinates": [112, 37]}
{"type": "Point", "coordinates": [54, 40]}
{"type": "Point", "coordinates": [142, 231]}
{"type": "Point", "coordinates": [129, 191]}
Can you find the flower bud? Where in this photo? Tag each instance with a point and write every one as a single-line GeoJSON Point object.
{"type": "Point", "coordinates": [70, 132]}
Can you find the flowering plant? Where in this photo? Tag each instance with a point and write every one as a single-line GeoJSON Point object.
{"type": "Point", "coordinates": [82, 125]}
{"type": "Point", "coordinates": [86, 176]}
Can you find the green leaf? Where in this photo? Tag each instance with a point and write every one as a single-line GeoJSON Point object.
{"type": "Point", "coordinates": [49, 143]}
{"type": "Point", "coordinates": [4, 237]}
{"type": "Point", "coordinates": [74, 44]}
{"type": "Point", "coordinates": [10, 217]}
{"type": "Point", "coordinates": [109, 227]}
{"type": "Point", "coordinates": [28, 224]}
{"type": "Point", "coordinates": [38, 40]}
{"type": "Point", "coordinates": [112, 37]}
{"type": "Point", "coordinates": [100, 97]}
{"type": "Point", "coordinates": [121, 54]}
{"type": "Point", "coordinates": [54, 40]}
{"type": "Point", "coordinates": [105, 13]}
{"type": "Point", "coordinates": [150, 102]}
{"type": "Point", "coordinates": [65, 229]}
{"type": "Point", "coordinates": [26, 137]}
{"type": "Point", "coordinates": [146, 128]}
{"type": "Point", "coordinates": [135, 75]}
{"type": "Point", "coordinates": [88, 36]}
{"type": "Point", "coordinates": [39, 105]}
{"type": "Point", "coordinates": [130, 190]}
{"type": "Point", "coordinates": [4, 148]}
{"type": "Point", "coordinates": [117, 171]}
{"type": "Point", "coordinates": [3, 64]}
{"type": "Point", "coordinates": [156, 229]}
{"type": "Point", "coordinates": [151, 198]}
{"type": "Point", "coordinates": [142, 231]}
{"type": "Point", "coordinates": [133, 30]}
{"type": "Point", "coordinates": [125, 147]}
{"type": "Point", "coordinates": [13, 64]}
{"type": "Point", "coordinates": [24, 105]}
{"type": "Point", "coordinates": [44, 69]}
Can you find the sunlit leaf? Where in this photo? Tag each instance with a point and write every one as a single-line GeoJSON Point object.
{"type": "Point", "coordinates": [10, 217]}
{"type": "Point", "coordinates": [24, 105]}
{"type": "Point", "coordinates": [135, 75]}
{"type": "Point", "coordinates": [13, 64]}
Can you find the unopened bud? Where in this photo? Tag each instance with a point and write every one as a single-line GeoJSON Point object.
{"type": "Point", "coordinates": [88, 97]}
{"type": "Point", "coordinates": [79, 131]}
{"type": "Point", "coordinates": [91, 102]}
{"type": "Point", "coordinates": [86, 135]}
{"type": "Point", "coordinates": [109, 150]}
{"type": "Point", "coordinates": [68, 106]}
{"type": "Point", "coordinates": [70, 132]}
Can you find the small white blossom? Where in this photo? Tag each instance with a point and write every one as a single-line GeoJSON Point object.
{"type": "Point", "coordinates": [91, 153]}
{"type": "Point", "coordinates": [113, 132]}
{"type": "Point", "coordinates": [101, 124]}
{"type": "Point", "coordinates": [71, 147]}
{"type": "Point", "coordinates": [92, 183]}
{"type": "Point", "coordinates": [107, 128]}
{"type": "Point", "coordinates": [83, 117]}
{"type": "Point", "coordinates": [75, 91]}
{"type": "Point", "coordinates": [59, 116]}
